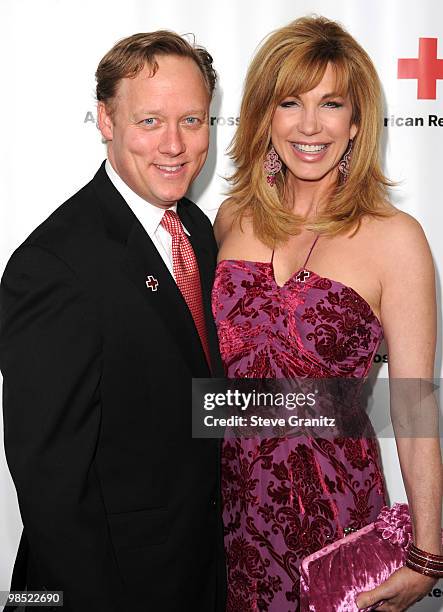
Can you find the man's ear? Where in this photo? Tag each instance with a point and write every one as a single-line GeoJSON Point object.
{"type": "Point", "coordinates": [104, 121]}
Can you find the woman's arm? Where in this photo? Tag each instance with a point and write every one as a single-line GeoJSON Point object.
{"type": "Point", "coordinates": [408, 315]}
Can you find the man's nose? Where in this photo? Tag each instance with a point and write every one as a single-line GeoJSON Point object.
{"type": "Point", "coordinates": [172, 142]}
{"type": "Point", "coordinates": [309, 122]}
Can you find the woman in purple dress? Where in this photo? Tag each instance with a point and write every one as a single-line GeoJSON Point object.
{"type": "Point", "coordinates": [315, 267]}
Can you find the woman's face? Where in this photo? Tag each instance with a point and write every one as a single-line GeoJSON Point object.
{"type": "Point", "coordinates": [311, 132]}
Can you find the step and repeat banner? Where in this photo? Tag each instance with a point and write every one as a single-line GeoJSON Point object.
{"type": "Point", "coordinates": [51, 146]}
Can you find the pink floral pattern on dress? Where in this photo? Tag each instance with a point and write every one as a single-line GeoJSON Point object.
{"type": "Point", "coordinates": [284, 498]}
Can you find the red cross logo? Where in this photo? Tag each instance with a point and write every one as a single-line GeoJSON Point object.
{"type": "Point", "coordinates": [302, 276]}
{"type": "Point", "coordinates": [152, 283]}
{"type": "Point", "coordinates": [426, 69]}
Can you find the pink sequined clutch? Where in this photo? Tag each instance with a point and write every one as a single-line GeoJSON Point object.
{"type": "Point", "coordinates": [332, 577]}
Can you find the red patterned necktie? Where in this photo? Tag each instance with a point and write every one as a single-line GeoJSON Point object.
{"type": "Point", "coordinates": [186, 274]}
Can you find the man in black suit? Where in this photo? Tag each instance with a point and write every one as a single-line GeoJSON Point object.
{"type": "Point", "coordinates": [105, 318]}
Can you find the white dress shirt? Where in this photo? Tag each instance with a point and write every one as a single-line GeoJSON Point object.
{"type": "Point", "coordinates": [149, 215]}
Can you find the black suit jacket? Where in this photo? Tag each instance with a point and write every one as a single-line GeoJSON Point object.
{"type": "Point", "coordinates": [120, 505]}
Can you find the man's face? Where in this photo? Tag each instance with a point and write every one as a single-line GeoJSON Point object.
{"type": "Point", "coordinates": [158, 135]}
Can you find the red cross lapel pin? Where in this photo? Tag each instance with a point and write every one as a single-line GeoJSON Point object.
{"type": "Point", "coordinates": [151, 283]}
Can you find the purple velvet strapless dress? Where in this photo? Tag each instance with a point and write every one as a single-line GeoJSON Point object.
{"type": "Point", "coordinates": [285, 498]}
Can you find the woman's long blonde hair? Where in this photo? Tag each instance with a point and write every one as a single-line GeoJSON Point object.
{"type": "Point", "coordinates": [293, 60]}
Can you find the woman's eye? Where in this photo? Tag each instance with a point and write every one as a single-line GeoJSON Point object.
{"type": "Point", "coordinates": [332, 104]}
{"type": "Point", "coordinates": [288, 103]}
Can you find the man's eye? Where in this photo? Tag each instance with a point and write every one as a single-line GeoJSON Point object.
{"type": "Point", "coordinates": [149, 121]}
{"type": "Point", "coordinates": [192, 120]}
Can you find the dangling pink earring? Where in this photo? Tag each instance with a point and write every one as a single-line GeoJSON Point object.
{"type": "Point", "coordinates": [272, 165]}
{"type": "Point", "coordinates": [345, 163]}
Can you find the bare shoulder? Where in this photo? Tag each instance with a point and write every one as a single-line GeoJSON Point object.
{"type": "Point", "coordinates": [224, 220]}
{"type": "Point", "coordinates": [227, 222]}
{"type": "Point", "coordinates": [400, 242]}
{"type": "Point", "coordinates": [402, 232]}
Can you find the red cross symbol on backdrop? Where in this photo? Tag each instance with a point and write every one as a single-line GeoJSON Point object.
{"type": "Point", "coordinates": [427, 69]}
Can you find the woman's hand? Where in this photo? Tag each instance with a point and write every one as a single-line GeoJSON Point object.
{"type": "Point", "coordinates": [400, 591]}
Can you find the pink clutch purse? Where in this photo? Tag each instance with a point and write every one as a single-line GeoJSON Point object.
{"type": "Point", "coordinates": [332, 577]}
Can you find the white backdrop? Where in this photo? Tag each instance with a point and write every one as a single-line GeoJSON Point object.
{"type": "Point", "coordinates": [50, 147]}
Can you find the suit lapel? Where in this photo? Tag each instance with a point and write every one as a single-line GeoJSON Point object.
{"type": "Point", "coordinates": [141, 259]}
{"type": "Point", "coordinates": [206, 264]}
